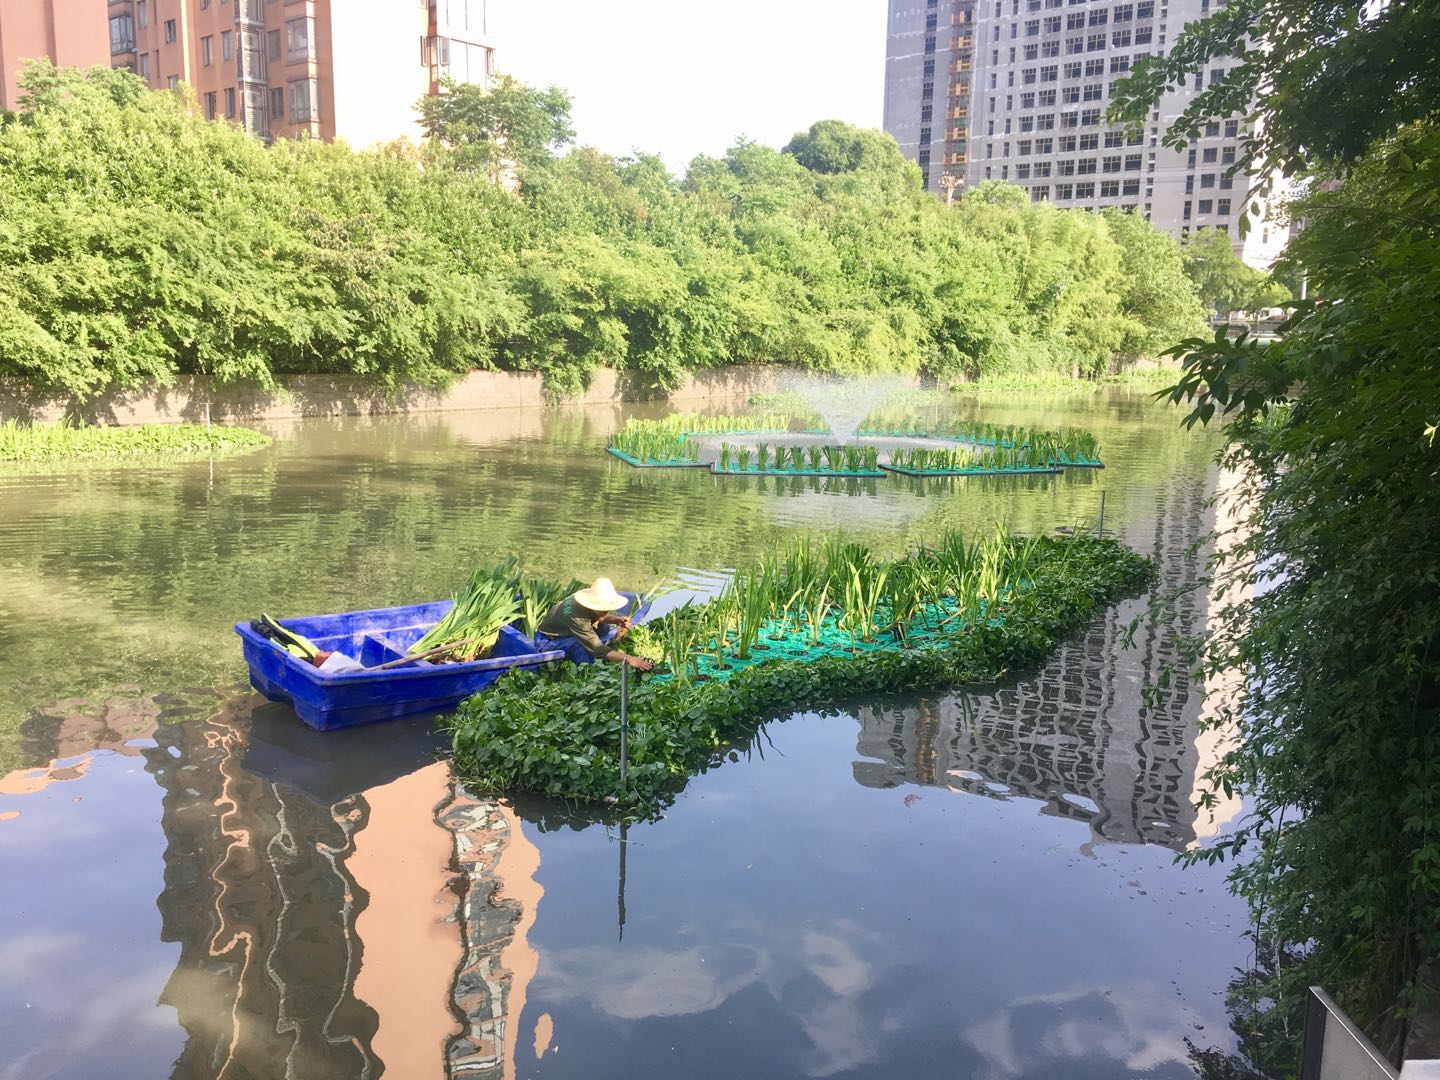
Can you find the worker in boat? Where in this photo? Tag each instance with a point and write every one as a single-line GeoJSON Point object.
{"type": "Point", "coordinates": [581, 625]}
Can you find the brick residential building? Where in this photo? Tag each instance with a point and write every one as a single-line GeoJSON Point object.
{"type": "Point", "coordinates": [279, 68]}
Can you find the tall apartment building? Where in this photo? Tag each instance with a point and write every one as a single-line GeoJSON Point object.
{"type": "Point", "coordinates": [1017, 90]}
{"type": "Point", "coordinates": [279, 68]}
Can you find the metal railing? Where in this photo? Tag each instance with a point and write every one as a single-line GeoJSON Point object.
{"type": "Point", "coordinates": [1334, 1048]}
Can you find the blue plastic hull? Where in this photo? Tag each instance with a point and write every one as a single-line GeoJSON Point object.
{"type": "Point", "coordinates": [329, 702]}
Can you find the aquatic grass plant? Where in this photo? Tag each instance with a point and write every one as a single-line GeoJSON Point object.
{"type": "Point", "coordinates": [51, 442]}
{"type": "Point", "coordinates": [556, 731]}
{"type": "Point", "coordinates": [482, 608]}
{"type": "Point", "coordinates": [537, 597]}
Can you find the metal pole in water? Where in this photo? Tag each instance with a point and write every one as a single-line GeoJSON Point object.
{"type": "Point", "coordinates": [207, 416]}
{"type": "Point", "coordinates": [1102, 511]}
{"type": "Point", "coordinates": [624, 725]}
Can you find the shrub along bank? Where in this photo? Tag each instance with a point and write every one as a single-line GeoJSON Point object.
{"type": "Point", "coordinates": [557, 731]}
{"type": "Point", "coordinates": [140, 242]}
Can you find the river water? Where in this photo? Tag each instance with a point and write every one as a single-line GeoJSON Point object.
{"type": "Point", "coordinates": [973, 884]}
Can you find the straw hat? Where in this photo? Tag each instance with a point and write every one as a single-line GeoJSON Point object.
{"type": "Point", "coordinates": [601, 596]}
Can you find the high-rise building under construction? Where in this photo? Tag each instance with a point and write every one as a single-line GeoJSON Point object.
{"type": "Point", "coordinates": [1017, 90]}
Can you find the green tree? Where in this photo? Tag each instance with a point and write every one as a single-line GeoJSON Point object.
{"type": "Point", "coordinates": [1159, 300]}
{"type": "Point", "coordinates": [1330, 628]}
{"type": "Point", "coordinates": [488, 128]}
{"type": "Point", "coordinates": [1223, 281]}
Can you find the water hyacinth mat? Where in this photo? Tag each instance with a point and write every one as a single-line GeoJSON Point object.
{"type": "Point", "coordinates": [1029, 470]}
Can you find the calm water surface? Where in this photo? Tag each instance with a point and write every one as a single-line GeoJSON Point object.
{"type": "Point", "coordinates": [975, 884]}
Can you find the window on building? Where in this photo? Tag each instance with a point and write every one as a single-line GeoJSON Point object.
{"type": "Point", "coordinates": [1205, 206]}
{"type": "Point", "coordinates": [1099, 18]}
{"type": "Point", "coordinates": [1027, 100]}
{"type": "Point", "coordinates": [1207, 180]}
{"type": "Point", "coordinates": [1094, 67]}
{"type": "Point", "coordinates": [1075, 21]}
{"type": "Point", "coordinates": [1050, 49]}
{"type": "Point", "coordinates": [1049, 72]}
{"type": "Point", "coordinates": [1064, 191]}
{"type": "Point", "coordinates": [1190, 159]}
{"type": "Point", "coordinates": [173, 82]}
{"type": "Point", "coordinates": [305, 29]}
{"type": "Point", "coordinates": [1209, 155]}
{"type": "Point", "coordinates": [1022, 171]}
{"type": "Point", "coordinates": [1040, 193]}
{"type": "Point", "coordinates": [1222, 227]}
{"type": "Point", "coordinates": [1085, 191]}
{"type": "Point", "coordinates": [1216, 74]}
{"type": "Point", "coordinates": [1114, 139]}
{"type": "Point", "coordinates": [230, 102]}
{"type": "Point", "coordinates": [142, 13]}
{"type": "Point", "coordinates": [1042, 169]}
{"type": "Point", "coordinates": [1044, 146]}
{"type": "Point", "coordinates": [1094, 42]}
{"type": "Point", "coordinates": [1222, 206]}
{"type": "Point", "coordinates": [1132, 162]}
{"type": "Point", "coordinates": [1212, 129]}
{"type": "Point", "coordinates": [227, 45]}
{"type": "Point", "coordinates": [1032, 52]}
{"type": "Point", "coordinates": [1070, 95]}
{"type": "Point", "coordinates": [1232, 128]}
{"type": "Point", "coordinates": [1135, 138]}
{"type": "Point", "coordinates": [1004, 172]}
{"type": "Point", "coordinates": [204, 5]}
{"type": "Point", "coordinates": [1144, 35]}
{"type": "Point", "coordinates": [1111, 164]}
{"type": "Point", "coordinates": [1130, 187]}
{"type": "Point", "coordinates": [1226, 181]}
{"type": "Point", "coordinates": [1089, 142]}
{"type": "Point", "coordinates": [145, 66]}
{"type": "Point", "coordinates": [1123, 12]}
{"type": "Point", "coordinates": [1074, 45]}
{"type": "Point", "coordinates": [1052, 24]}
{"type": "Point", "coordinates": [1120, 39]}
{"type": "Point", "coordinates": [210, 105]}
{"type": "Point", "coordinates": [1067, 144]}
{"type": "Point", "coordinates": [1047, 98]}
{"type": "Point", "coordinates": [927, 113]}
{"type": "Point", "coordinates": [122, 34]}
{"type": "Point", "coordinates": [207, 51]}
{"type": "Point", "coordinates": [1109, 189]}
{"type": "Point", "coordinates": [273, 45]}
{"type": "Point", "coordinates": [1065, 168]}
{"type": "Point", "coordinates": [1086, 166]}
{"type": "Point", "coordinates": [277, 103]}
{"type": "Point", "coordinates": [1089, 117]}
{"type": "Point", "coordinates": [1094, 92]}
{"type": "Point", "coordinates": [1022, 148]}
{"type": "Point", "coordinates": [304, 100]}
{"type": "Point", "coordinates": [1227, 155]}
{"type": "Point", "coordinates": [1185, 211]}
{"type": "Point", "coordinates": [1072, 70]}
{"type": "Point", "coordinates": [1032, 28]}
{"type": "Point", "coordinates": [1027, 123]}
{"type": "Point", "coordinates": [1045, 122]}
{"type": "Point", "coordinates": [1069, 120]}
{"type": "Point", "coordinates": [1190, 184]}
{"type": "Point", "coordinates": [300, 33]}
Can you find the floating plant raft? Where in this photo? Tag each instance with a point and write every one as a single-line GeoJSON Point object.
{"type": "Point", "coordinates": [812, 460]}
{"type": "Point", "coordinates": [803, 628]}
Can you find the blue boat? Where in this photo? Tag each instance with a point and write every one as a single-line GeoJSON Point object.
{"type": "Point", "coordinates": [329, 701]}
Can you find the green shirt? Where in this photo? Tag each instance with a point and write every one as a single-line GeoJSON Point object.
{"type": "Point", "coordinates": [569, 619]}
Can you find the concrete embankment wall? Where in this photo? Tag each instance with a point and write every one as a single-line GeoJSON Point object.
{"type": "Point", "coordinates": [345, 395]}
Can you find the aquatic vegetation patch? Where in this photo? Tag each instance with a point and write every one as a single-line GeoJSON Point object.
{"type": "Point", "coordinates": [53, 442]}
{"type": "Point", "coordinates": [977, 461]}
{"type": "Point", "coordinates": [665, 442]}
{"type": "Point", "coordinates": [811, 460]}
{"type": "Point", "coordinates": [557, 731]}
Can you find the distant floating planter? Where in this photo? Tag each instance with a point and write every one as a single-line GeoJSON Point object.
{"type": "Point", "coordinates": [770, 470]}
{"type": "Point", "coordinates": [1072, 463]}
{"type": "Point", "coordinates": [672, 464]}
{"type": "Point", "coordinates": [1022, 470]}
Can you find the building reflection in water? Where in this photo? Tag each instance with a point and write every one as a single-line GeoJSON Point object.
{"type": "Point", "coordinates": [382, 931]}
{"type": "Point", "coordinates": [1082, 736]}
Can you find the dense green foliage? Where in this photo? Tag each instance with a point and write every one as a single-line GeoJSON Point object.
{"type": "Point", "coordinates": [1224, 282]}
{"type": "Point", "coordinates": [139, 241]}
{"type": "Point", "coordinates": [558, 732]}
{"type": "Point", "coordinates": [1329, 597]}
{"type": "Point", "coordinates": [49, 442]}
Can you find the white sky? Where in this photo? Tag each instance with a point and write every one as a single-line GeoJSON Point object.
{"type": "Point", "coordinates": [681, 77]}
